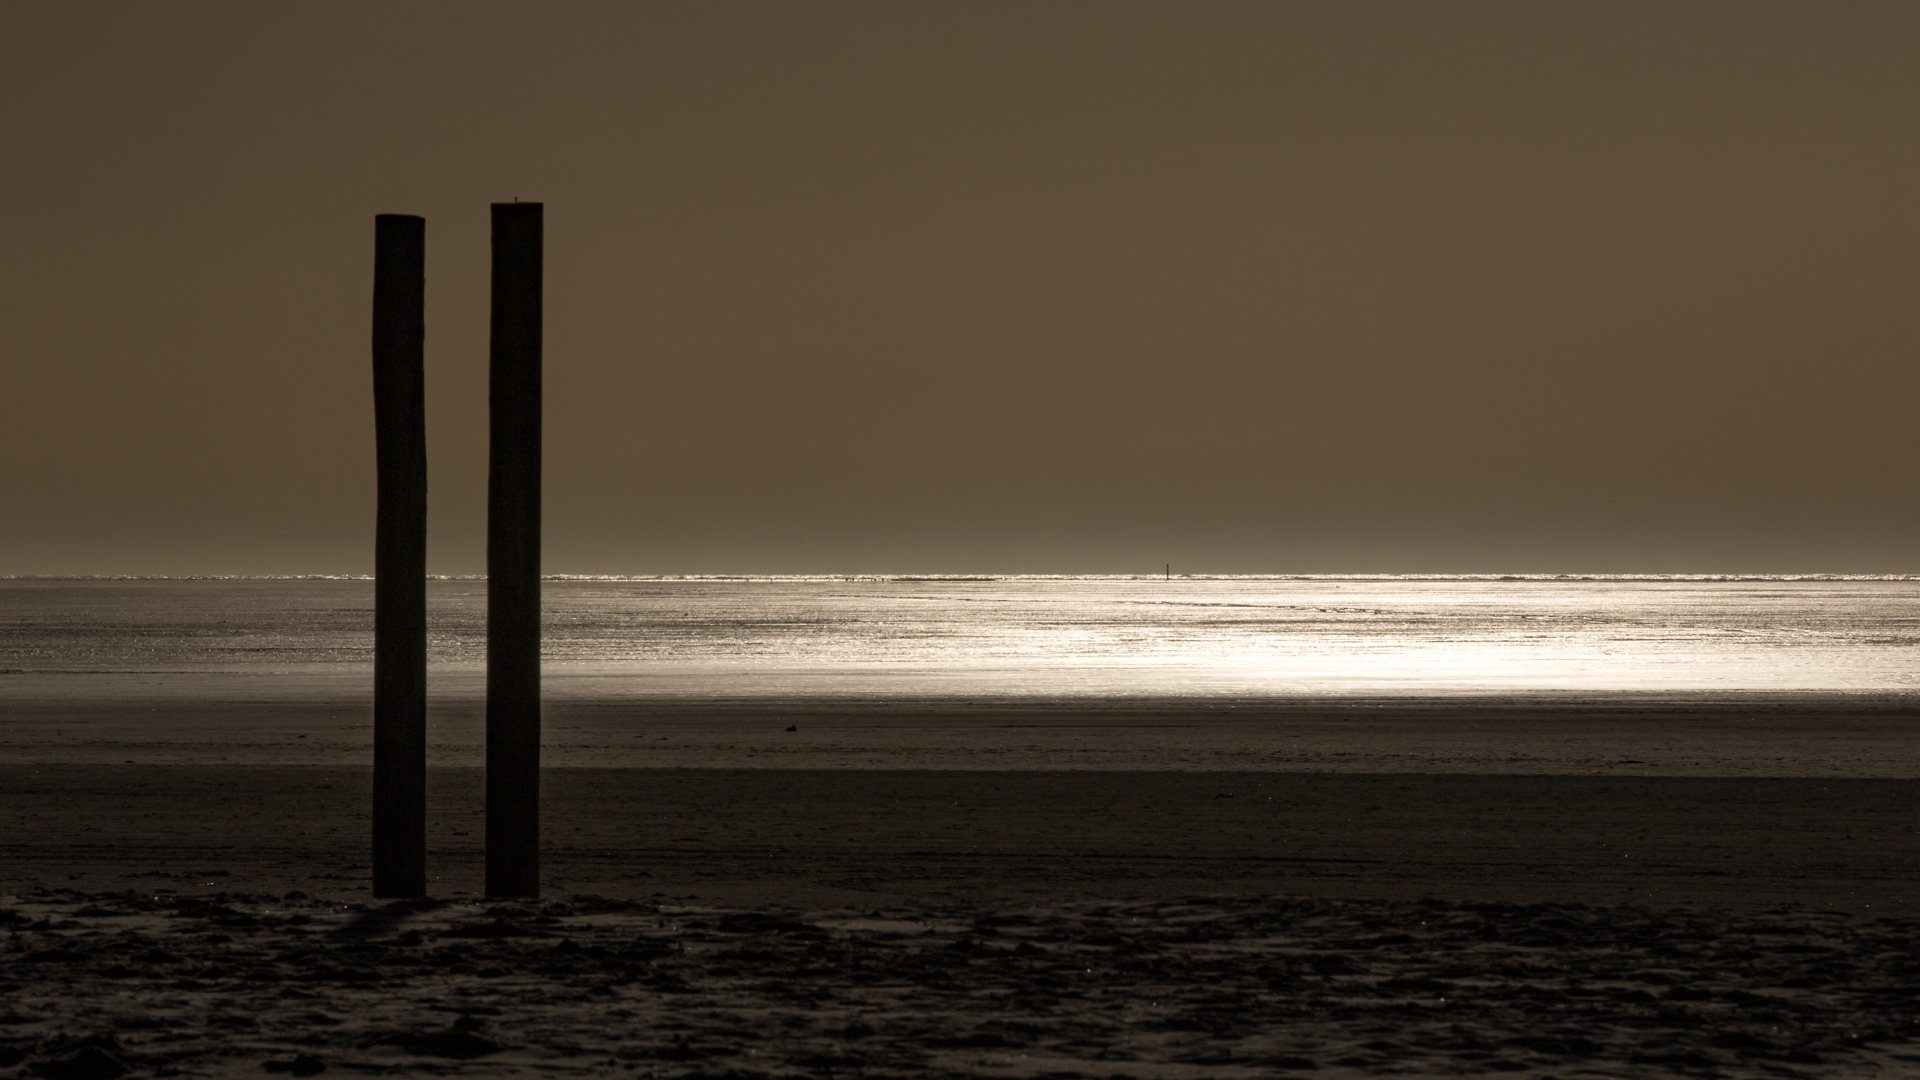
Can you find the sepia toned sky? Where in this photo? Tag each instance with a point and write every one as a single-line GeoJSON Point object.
{"type": "Point", "coordinates": [980, 287]}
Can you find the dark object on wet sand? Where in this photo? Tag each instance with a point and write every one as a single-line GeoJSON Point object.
{"type": "Point", "coordinates": [87, 1063]}
{"type": "Point", "coordinates": [513, 556]}
{"type": "Point", "coordinates": [760, 922]}
{"type": "Point", "coordinates": [793, 727]}
{"type": "Point", "coordinates": [400, 558]}
{"type": "Point", "coordinates": [301, 1065]}
{"type": "Point", "coordinates": [458, 1041]}
{"type": "Point", "coordinates": [493, 931]}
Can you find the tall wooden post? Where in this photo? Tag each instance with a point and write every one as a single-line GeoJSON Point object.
{"type": "Point", "coordinates": [513, 557]}
{"type": "Point", "coordinates": [400, 558]}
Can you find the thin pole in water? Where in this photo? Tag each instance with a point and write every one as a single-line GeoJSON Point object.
{"type": "Point", "coordinates": [513, 555]}
{"type": "Point", "coordinates": [1169, 571]}
{"type": "Point", "coordinates": [400, 558]}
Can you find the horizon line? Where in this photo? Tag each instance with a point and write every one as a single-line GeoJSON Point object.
{"type": "Point", "coordinates": [965, 577]}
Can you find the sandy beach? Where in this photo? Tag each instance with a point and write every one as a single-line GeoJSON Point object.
{"type": "Point", "coordinates": [248, 985]}
{"type": "Point", "coordinates": [1550, 886]}
{"type": "Point", "coordinates": [327, 721]}
{"type": "Point", "coordinates": [754, 916]}
{"type": "Point", "coordinates": [810, 837]}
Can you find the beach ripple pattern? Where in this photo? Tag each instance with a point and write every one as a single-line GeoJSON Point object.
{"type": "Point", "coordinates": [96, 986]}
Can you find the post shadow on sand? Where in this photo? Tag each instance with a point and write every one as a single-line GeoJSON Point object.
{"type": "Point", "coordinates": [400, 558]}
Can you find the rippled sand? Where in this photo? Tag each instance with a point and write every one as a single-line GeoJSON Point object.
{"type": "Point", "coordinates": [97, 985]}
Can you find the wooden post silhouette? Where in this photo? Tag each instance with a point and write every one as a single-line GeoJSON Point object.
{"type": "Point", "coordinates": [513, 556]}
{"type": "Point", "coordinates": [400, 558]}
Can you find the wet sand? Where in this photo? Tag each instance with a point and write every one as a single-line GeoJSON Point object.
{"type": "Point", "coordinates": [235, 985]}
{"type": "Point", "coordinates": [806, 837]}
{"type": "Point", "coordinates": [1720, 896]}
{"type": "Point", "coordinates": [281, 723]}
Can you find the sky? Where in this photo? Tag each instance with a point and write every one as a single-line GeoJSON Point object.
{"type": "Point", "coordinates": [979, 287]}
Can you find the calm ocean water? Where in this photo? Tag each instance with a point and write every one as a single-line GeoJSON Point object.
{"type": "Point", "coordinates": [1011, 637]}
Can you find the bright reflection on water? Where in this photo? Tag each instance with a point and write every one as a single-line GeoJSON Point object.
{"type": "Point", "coordinates": [1045, 637]}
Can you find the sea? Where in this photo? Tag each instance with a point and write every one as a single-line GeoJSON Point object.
{"type": "Point", "coordinates": [1416, 675]}
{"type": "Point", "coordinates": [1013, 637]}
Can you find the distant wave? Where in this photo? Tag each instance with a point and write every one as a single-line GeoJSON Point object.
{"type": "Point", "coordinates": [987, 577]}
{"type": "Point", "coordinates": [191, 577]}
{"type": "Point", "coordinates": [1200, 577]}
{"type": "Point", "coordinates": [1224, 577]}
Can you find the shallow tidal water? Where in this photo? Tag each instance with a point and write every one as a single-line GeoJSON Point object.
{"type": "Point", "coordinates": [1694, 677]}
{"type": "Point", "coordinates": [1008, 637]}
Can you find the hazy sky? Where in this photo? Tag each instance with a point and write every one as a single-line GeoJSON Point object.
{"type": "Point", "coordinates": [1043, 287]}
